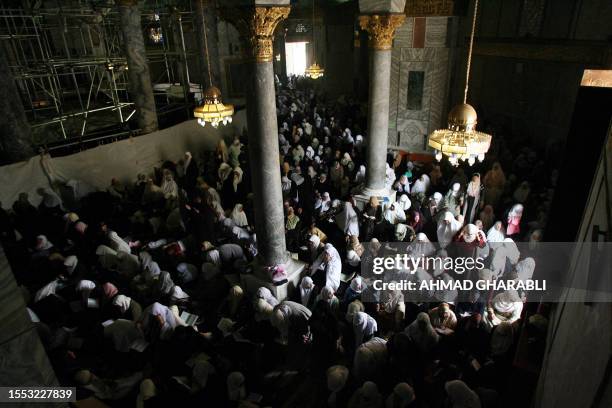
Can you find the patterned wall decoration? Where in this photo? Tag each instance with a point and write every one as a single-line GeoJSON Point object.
{"type": "Point", "coordinates": [408, 127]}
{"type": "Point", "coordinates": [421, 8]}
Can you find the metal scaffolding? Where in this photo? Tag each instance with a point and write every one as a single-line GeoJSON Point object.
{"type": "Point", "coordinates": [70, 67]}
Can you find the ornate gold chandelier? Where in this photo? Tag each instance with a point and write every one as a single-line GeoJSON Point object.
{"type": "Point", "coordinates": [314, 71]}
{"type": "Point", "coordinates": [212, 111]}
{"type": "Point", "coordinates": [460, 141]}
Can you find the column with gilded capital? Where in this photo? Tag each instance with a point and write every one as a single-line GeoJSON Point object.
{"type": "Point", "coordinates": [256, 24]}
{"type": "Point", "coordinates": [140, 86]}
{"type": "Point", "coordinates": [379, 18]}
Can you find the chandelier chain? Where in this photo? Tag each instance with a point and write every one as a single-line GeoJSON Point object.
{"type": "Point", "coordinates": [206, 42]}
{"type": "Point", "coordinates": [469, 58]}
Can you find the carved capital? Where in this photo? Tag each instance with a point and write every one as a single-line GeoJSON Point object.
{"type": "Point", "coordinates": [381, 29]}
{"type": "Point", "coordinates": [256, 27]}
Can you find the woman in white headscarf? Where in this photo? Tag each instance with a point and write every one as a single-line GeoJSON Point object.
{"type": "Point", "coordinates": [328, 295]}
{"type": "Point", "coordinates": [331, 264]}
{"type": "Point", "coordinates": [524, 269]}
{"type": "Point", "coordinates": [443, 318]}
{"type": "Point", "coordinates": [169, 187]}
{"type": "Point", "coordinates": [389, 176]}
{"type": "Point", "coordinates": [360, 176]}
{"type": "Point", "coordinates": [118, 243]}
{"type": "Point", "coordinates": [366, 396]}
{"type": "Point", "coordinates": [127, 308]}
{"type": "Point", "coordinates": [394, 214]}
{"type": "Point", "coordinates": [505, 307]}
{"type": "Point", "coordinates": [307, 291]}
{"type": "Point", "coordinates": [421, 246]}
{"type": "Point", "coordinates": [448, 227]}
{"type": "Point", "coordinates": [239, 216]}
{"type": "Point", "coordinates": [159, 320]}
{"type": "Point", "coordinates": [348, 220]}
{"type": "Point", "coordinates": [421, 185]}
{"type": "Point", "coordinates": [504, 252]}
{"type": "Point", "coordinates": [470, 206]}
{"type": "Point", "coordinates": [404, 202]}
{"type": "Point", "coordinates": [290, 318]}
{"type": "Point", "coordinates": [495, 235]}
{"type": "Point", "coordinates": [402, 186]}
{"type": "Point", "coordinates": [323, 204]}
{"type": "Point", "coordinates": [422, 333]}
{"type": "Point", "coordinates": [460, 395]}
{"type": "Point", "coordinates": [393, 308]}
{"type": "Point", "coordinates": [514, 220]}
{"type": "Point", "coordinates": [265, 294]}
{"type": "Point", "coordinates": [364, 327]}
{"type": "Point", "coordinates": [354, 290]}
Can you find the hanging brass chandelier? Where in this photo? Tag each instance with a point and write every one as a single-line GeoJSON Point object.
{"type": "Point", "coordinates": [212, 110]}
{"type": "Point", "coordinates": [314, 71]}
{"type": "Point", "coordinates": [460, 141]}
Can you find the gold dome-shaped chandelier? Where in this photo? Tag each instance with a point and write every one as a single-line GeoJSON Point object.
{"type": "Point", "coordinates": [212, 110]}
{"type": "Point", "coordinates": [460, 141]}
{"type": "Point", "coordinates": [314, 71]}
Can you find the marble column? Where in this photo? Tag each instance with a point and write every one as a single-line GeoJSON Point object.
{"type": "Point", "coordinates": [23, 360]}
{"type": "Point", "coordinates": [16, 137]}
{"type": "Point", "coordinates": [140, 86]}
{"type": "Point", "coordinates": [380, 28]}
{"type": "Point", "coordinates": [256, 25]}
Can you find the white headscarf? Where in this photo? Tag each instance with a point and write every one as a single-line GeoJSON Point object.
{"type": "Point", "coordinates": [405, 202]}
{"type": "Point", "coordinates": [42, 243]}
{"type": "Point", "coordinates": [421, 184]}
{"type": "Point", "coordinates": [448, 227]}
{"type": "Point", "coordinates": [364, 326]}
{"type": "Point", "coordinates": [265, 294]}
{"type": "Point", "coordinates": [117, 243]}
{"type": "Point", "coordinates": [347, 220]}
{"type": "Point", "coordinates": [495, 236]}
{"type": "Point", "coordinates": [360, 176]}
{"type": "Point", "coordinates": [525, 268]}
{"type": "Point", "coordinates": [306, 288]}
{"type": "Point", "coordinates": [239, 216]}
{"type": "Point", "coordinates": [122, 302]}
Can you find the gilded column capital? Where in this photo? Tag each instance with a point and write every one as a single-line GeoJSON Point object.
{"type": "Point", "coordinates": [256, 27]}
{"type": "Point", "coordinates": [381, 28]}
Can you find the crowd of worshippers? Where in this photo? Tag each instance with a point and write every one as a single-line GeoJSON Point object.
{"type": "Point", "coordinates": [134, 290]}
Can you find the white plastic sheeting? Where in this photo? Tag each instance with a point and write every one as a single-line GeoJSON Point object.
{"type": "Point", "coordinates": [123, 160]}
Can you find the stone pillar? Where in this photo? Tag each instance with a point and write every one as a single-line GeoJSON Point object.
{"type": "Point", "coordinates": [16, 136]}
{"type": "Point", "coordinates": [380, 28]}
{"type": "Point", "coordinates": [256, 25]}
{"type": "Point", "coordinates": [23, 360]}
{"type": "Point", "coordinates": [140, 86]}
